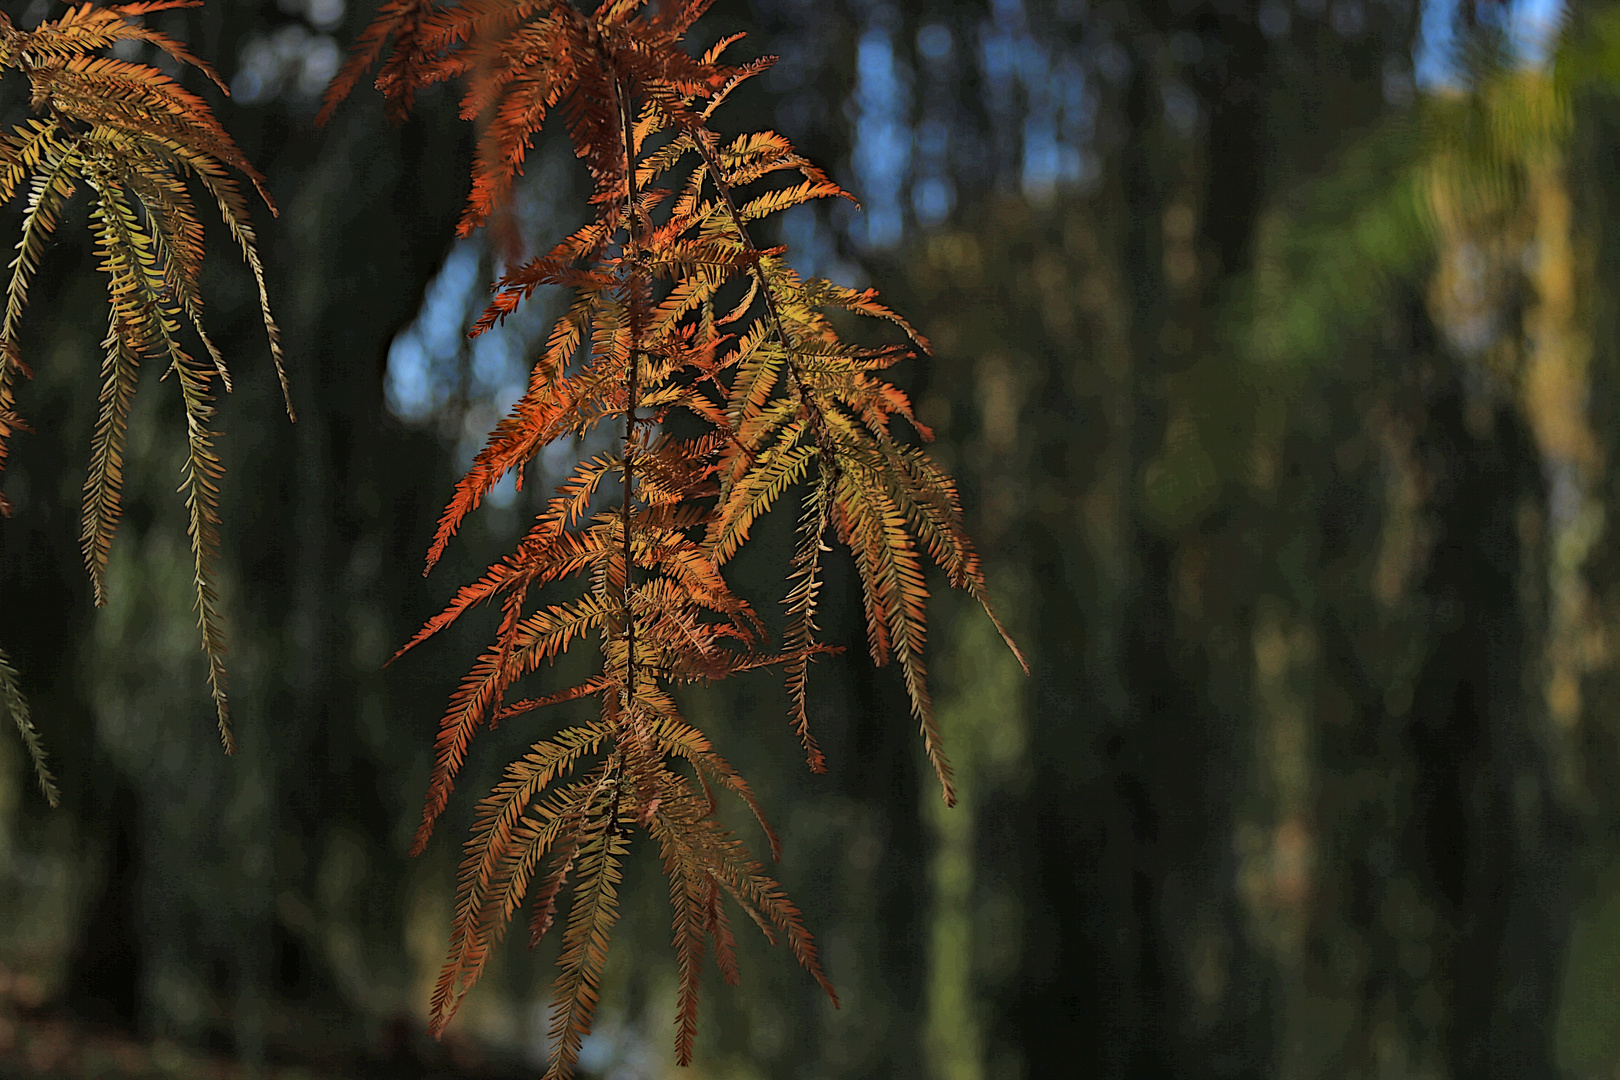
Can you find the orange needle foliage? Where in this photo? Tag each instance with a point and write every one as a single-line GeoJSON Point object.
{"type": "Point", "coordinates": [719, 361]}
{"type": "Point", "coordinates": [674, 310]}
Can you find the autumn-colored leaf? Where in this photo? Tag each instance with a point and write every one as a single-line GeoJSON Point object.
{"type": "Point", "coordinates": [674, 306]}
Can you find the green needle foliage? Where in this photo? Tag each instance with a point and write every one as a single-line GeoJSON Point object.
{"type": "Point", "coordinates": [132, 138]}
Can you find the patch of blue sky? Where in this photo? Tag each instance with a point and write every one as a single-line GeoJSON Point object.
{"type": "Point", "coordinates": [882, 152]}
{"type": "Point", "coordinates": [812, 246]}
{"type": "Point", "coordinates": [1008, 14]}
{"type": "Point", "coordinates": [291, 63]}
{"type": "Point", "coordinates": [498, 378]}
{"type": "Point", "coordinates": [1047, 161]}
{"type": "Point", "coordinates": [436, 374]}
{"type": "Point", "coordinates": [932, 200]}
{"type": "Point", "coordinates": [1532, 30]}
{"type": "Point", "coordinates": [423, 360]}
{"type": "Point", "coordinates": [1536, 25]}
{"type": "Point", "coordinates": [1038, 95]}
{"type": "Point", "coordinates": [1078, 103]}
{"type": "Point", "coordinates": [934, 43]}
{"type": "Point", "coordinates": [1000, 53]}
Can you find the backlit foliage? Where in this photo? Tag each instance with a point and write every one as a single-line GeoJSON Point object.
{"type": "Point", "coordinates": [727, 384]}
{"type": "Point", "coordinates": [131, 137]}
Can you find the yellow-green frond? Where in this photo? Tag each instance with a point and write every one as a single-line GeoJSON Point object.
{"type": "Point", "coordinates": [233, 211]}
{"type": "Point", "coordinates": [585, 945]}
{"type": "Point", "coordinates": [202, 472]}
{"type": "Point", "coordinates": [896, 599]}
{"type": "Point", "coordinates": [12, 700]}
{"type": "Point", "coordinates": [119, 367]}
{"type": "Point", "coordinates": [23, 149]}
{"type": "Point", "coordinates": [52, 186]}
{"type": "Point", "coordinates": [688, 894]}
{"type": "Point", "coordinates": [800, 637]}
{"type": "Point", "coordinates": [777, 468]}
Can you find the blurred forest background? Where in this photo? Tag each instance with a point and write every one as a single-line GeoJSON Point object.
{"type": "Point", "coordinates": [1279, 359]}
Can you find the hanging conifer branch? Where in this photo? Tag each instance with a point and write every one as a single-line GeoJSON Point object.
{"type": "Point", "coordinates": [131, 136]}
{"type": "Point", "coordinates": [16, 707]}
{"type": "Point", "coordinates": [675, 309]}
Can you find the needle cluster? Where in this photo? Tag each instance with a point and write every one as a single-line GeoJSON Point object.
{"type": "Point", "coordinates": [678, 322]}
{"type": "Point", "coordinates": [717, 368]}
{"type": "Point", "coordinates": [131, 137]}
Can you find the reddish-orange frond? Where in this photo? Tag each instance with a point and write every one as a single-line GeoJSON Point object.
{"type": "Point", "coordinates": [676, 316]}
{"type": "Point", "coordinates": [540, 637]}
{"type": "Point", "coordinates": [404, 20]}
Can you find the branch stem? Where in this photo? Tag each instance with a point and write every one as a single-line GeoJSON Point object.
{"type": "Point", "coordinates": [632, 249]}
